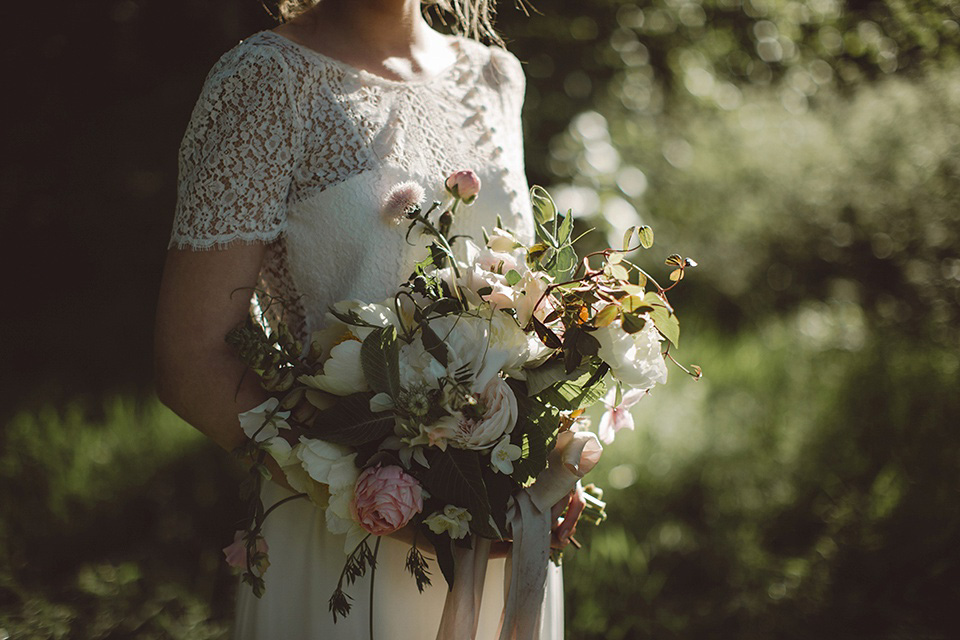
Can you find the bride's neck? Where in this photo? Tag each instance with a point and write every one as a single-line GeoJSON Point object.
{"type": "Point", "coordinates": [388, 27]}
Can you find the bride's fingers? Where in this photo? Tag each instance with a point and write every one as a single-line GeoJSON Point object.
{"type": "Point", "coordinates": [557, 510]}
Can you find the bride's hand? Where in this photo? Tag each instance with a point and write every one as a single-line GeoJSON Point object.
{"type": "Point", "coordinates": [564, 527]}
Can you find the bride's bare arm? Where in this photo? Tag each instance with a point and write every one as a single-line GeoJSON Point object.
{"type": "Point", "coordinates": [203, 295]}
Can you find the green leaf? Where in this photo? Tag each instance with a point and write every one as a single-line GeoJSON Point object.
{"type": "Point", "coordinates": [535, 433]}
{"type": "Point", "coordinates": [433, 344]}
{"type": "Point", "coordinates": [576, 393]}
{"type": "Point", "coordinates": [544, 209]}
{"type": "Point", "coordinates": [513, 277]}
{"type": "Point", "coordinates": [455, 478]}
{"type": "Point", "coordinates": [633, 323]}
{"type": "Point", "coordinates": [617, 271]}
{"type": "Point", "coordinates": [565, 228]}
{"type": "Point", "coordinates": [548, 337]}
{"type": "Point", "coordinates": [443, 546]}
{"type": "Point", "coordinates": [499, 489]}
{"type": "Point", "coordinates": [606, 316]}
{"type": "Point", "coordinates": [667, 323]}
{"type": "Point", "coordinates": [564, 263]}
{"type": "Point", "coordinates": [645, 234]}
{"type": "Point", "coordinates": [350, 422]}
{"type": "Point", "coordinates": [547, 375]}
{"type": "Point", "coordinates": [380, 358]}
{"type": "Point", "coordinates": [627, 237]}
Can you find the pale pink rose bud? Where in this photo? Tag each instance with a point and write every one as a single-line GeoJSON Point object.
{"type": "Point", "coordinates": [236, 553]}
{"type": "Point", "coordinates": [464, 185]}
{"type": "Point", "coordinates": [403, 201]}
{"type": "Point", "coordinates": [386, 499]}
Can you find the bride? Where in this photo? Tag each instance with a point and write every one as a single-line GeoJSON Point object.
{"type": "Point", "coordinates": [298, 134]}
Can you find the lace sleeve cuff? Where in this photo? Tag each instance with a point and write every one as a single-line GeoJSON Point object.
{"type": "Point", "coordinates": [238, 154]}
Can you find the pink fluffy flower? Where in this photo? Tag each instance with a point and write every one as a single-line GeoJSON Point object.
{"type": "Point", "coordinates": [618, 417]}
{"type": "Point", "coordinates": [236, 553]}
{"type": "Point", "coordinates": [402, 200]}
{"type": "Point", "coordinates": [464, 185]}
{"type": "Point", "coordinates": [386, 498]}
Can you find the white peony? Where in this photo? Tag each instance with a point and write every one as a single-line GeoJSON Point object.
{"type": "Point", "coordinates": [318, 458]}
{"type": "Point", "coordinates": [454, 521]}
{"type": "Point", "coordinates": [340, 521]}
{"type": "Point", "coordinates": [378, 315]}
{"type": "Point", "coordinates": [635, 360]}
{"type": "Point", "coordinates": [256, 424]}
{"type": "Point", "coordinates": [342, 372]}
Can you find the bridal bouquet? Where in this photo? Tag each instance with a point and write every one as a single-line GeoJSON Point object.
{"type": "Point", "coordinates": [435, 408]}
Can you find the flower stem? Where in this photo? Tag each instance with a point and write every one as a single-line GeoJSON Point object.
{"type": "Point", "coordinates": [373, 574]}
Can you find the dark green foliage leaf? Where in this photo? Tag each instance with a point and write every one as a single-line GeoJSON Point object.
{"type": "Point", "coordinates": [548, 337]}
{"type": "Point", "coordinates": [350, 422]}
{"type": "Point", "coordinates": [535, 433]}
{"type": "Point", "coordinates": [573, 394]}
{"type": "Point", "coordinates": [587, 344]}
{"type": "Point", "coordinates": [380, 358]}
{"type": "Point", "coordinates": [546, 375]}
{"type": "Point", "coordinates": [443, 546]}
{"type": "Point", "coordinates": [455, 478]}
{"type": "Point", "coordinates": [633, 323]}
{"type": "Point", "coordinates": [499, 489]}
{"type": "Point", "coordinates": [433, 344]}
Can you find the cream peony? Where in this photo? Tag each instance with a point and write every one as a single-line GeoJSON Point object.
{"type": "Point", "coordinates": [635, 360]}
{"type": "Point", "coordinates": [258, 426]}
{"type": "Point", "coordinates": [326, 462]}
{"type": "Point", "coordinates": [342, 372]}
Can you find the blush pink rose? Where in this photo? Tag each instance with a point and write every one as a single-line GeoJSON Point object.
{"type": "Point", "coordinates": [386, 499]}
{"type": "Point", "coordinates": [464, 185]}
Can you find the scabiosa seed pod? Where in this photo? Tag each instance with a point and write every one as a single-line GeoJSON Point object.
{"type": "Point", "coordinates": [403, 201]}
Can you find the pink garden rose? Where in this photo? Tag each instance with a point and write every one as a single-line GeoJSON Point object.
{"type": "Point", "coordinates": [464, 185]}
{"type": "Point", "coordinates": [386, 498]}
{"type": "Point", "coordinates": [236, 553]}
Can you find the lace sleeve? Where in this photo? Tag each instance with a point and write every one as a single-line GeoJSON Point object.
{"type": "Point", "coordinates": [238, 154]}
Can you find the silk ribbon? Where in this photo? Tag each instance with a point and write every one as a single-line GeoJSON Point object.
{"type": "Point", "coordinates": [526, 568]}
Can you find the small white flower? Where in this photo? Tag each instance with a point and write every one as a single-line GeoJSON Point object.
{"type": "Point", "coordinates": [503, 455]}
{"type": "Point", "coordinates": [454, 521]}
{"type": "Point", "coordinates": [251, 421]}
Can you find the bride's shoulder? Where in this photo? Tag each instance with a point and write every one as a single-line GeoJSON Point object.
{"type": "Point", "coordinates": [499, 66]}
{"type": "Point", "coordinates": [263, 53]}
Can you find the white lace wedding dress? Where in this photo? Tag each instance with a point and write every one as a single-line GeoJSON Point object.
{"type": "Point", "coordinates": [294, 149]}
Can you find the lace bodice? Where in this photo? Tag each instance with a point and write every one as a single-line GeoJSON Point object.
{"type": "Point", "coordinates": [292, 148]}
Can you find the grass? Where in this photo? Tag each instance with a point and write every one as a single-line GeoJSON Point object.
{"type": "Point", "coordinates": [800, 490]}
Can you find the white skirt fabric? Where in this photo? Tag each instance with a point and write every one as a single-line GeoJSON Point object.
{"type": "Point", "coordinates": [305, 565]}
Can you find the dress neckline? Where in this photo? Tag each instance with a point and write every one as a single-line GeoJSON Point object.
{"type": "Point", "coordinates": [459, 51]}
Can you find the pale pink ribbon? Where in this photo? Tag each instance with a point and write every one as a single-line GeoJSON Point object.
{"type": "Point", "coordinates": [526, 567]}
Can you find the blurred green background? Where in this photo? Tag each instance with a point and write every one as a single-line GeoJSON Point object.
{"type": "Point", "coordinates": [806, 153]}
